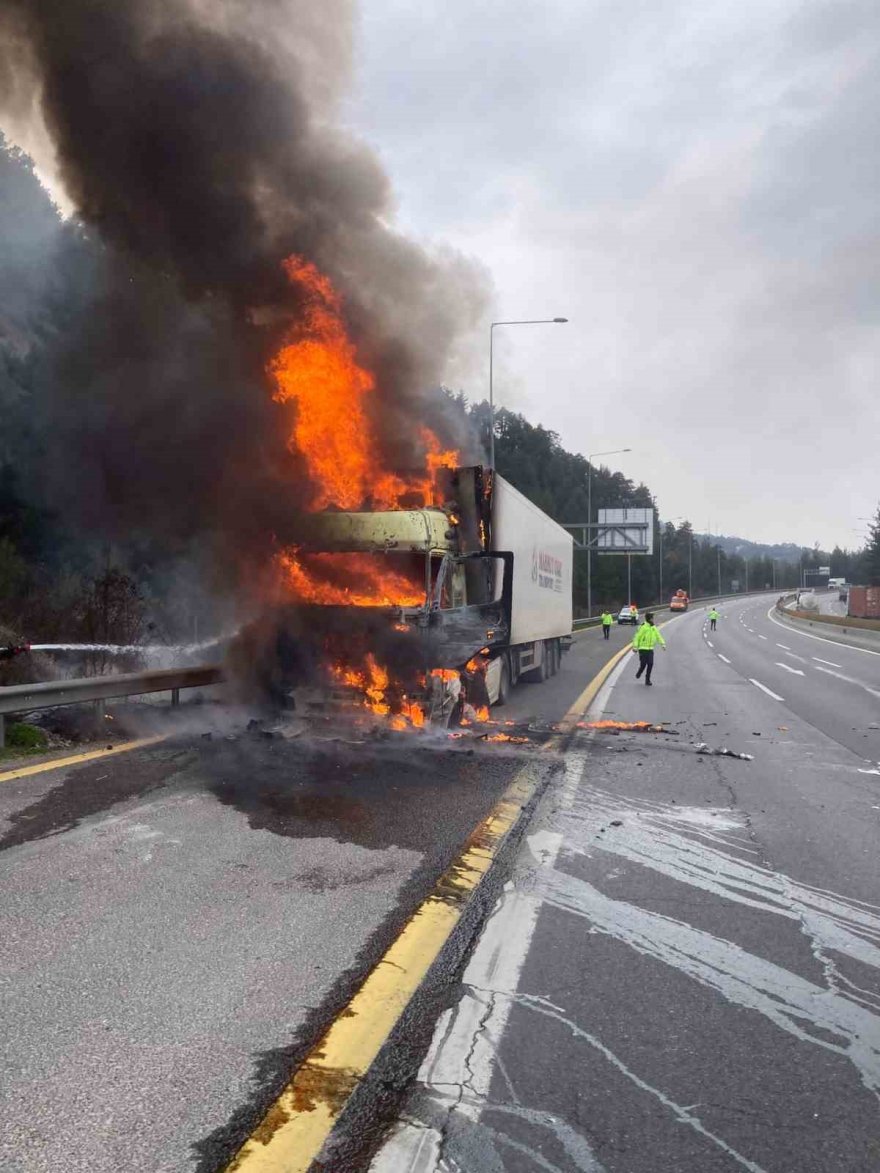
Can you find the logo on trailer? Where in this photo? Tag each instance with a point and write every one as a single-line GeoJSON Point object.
{"type": "Point", "coordinates": [546, 570]}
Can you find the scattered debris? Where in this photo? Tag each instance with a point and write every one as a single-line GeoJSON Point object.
{"type": "Point", "coordinates": [617, 822]}
{"type": "Point", "coordinates": [782, 728]}
{"type": "Point", "coordinates": [723, 752]}
{"type": "Point", "coordinates": [754, 734]}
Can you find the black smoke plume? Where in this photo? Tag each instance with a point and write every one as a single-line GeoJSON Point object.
{"type": "Point", "coordinates": [198, 142]}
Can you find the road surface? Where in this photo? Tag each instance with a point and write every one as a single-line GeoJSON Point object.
{"type": "Point", "coordinates": [828, 602]}
{"type": "Point", "coordinates": [679, 972]}
{"type": "Point", "coordinates": [180, 923]}
{"type": "Point", "coordinates": [682, 971]}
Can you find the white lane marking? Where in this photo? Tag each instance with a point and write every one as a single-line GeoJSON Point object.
{"type": "Point", "coordinates": [764, 688]}
{"type": "Point", "coordinates": [795, 656]}
{"type": "Point", "coordinates": [870, 772]}
{"type": "Point", "coordinates": [787, 648]}
{"type": "Point", "coordinates": [467, 1038]}
{"type": "Point", "coordinates": [761, 636]}
{"type": "Point", "coordinates": [830, 663]}
{"type": "Point", "coordinates": [794, 671]}
{"type": "Point", "coordinates": [724, 658]}
{"type": "Point", "coordinates": [821, 638]}
{"type": "Point", "coordinates": [709, 642]}
{"type": "Point", "coordinates": [848, 679]}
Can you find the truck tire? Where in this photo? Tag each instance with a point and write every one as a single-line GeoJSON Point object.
{"type": "Point", "coordinates": [504, 682]}
{"type": "Point", "coordinates": [538, 675]}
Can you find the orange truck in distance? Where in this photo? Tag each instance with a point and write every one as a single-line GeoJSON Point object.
{"type": "Point", "coordinates": [679, 601]}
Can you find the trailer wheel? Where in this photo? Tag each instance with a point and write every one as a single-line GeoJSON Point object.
{"type": "Point", "coordinates": [538, 675]}
{"type": "Point", "coordinates": [504, 683]}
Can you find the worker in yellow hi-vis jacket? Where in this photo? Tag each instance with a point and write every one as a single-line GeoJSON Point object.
{"type": "Point", "coordinates": [644, 641]}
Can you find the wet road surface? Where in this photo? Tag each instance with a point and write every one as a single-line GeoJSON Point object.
{"type": "Point", "coordinates": [180, 923]}
{"type": "Point", "coordinates": [682, 970]}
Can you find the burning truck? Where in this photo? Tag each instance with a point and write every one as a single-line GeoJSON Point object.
{"type": "Point", "coordinates": [420, 594]}
{"type": "Point", "coordinates": [421, 616]}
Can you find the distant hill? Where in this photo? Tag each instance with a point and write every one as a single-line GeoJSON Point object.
{"type": "Point", "coordinates": [782, 551]}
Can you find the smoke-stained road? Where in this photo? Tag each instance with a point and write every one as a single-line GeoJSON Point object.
{"type": "Point", "coordinates": [180, 923]}
{"type": "Point", "coordinates": [682, 973]}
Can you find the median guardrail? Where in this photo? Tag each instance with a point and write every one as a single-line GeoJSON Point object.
{"type": "Point", "coordinates": [581, 624]}
{"type": "Point", "coordinates": [26, 698]}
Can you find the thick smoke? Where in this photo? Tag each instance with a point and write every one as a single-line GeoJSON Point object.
{"type": "Point", "coordinates": [196, 138]}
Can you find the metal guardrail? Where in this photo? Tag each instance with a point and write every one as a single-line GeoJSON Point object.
{"type": "Point", "coordinates": [581, 624]}
{"type": "Point", "coordinates": [25, 698]}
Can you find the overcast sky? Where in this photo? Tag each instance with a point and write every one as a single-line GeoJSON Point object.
{"type": "Point", "coordinates": [694, 183]}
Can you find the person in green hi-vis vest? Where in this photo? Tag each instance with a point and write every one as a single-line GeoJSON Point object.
{"type": "Point", "coordinates": [607, 621]}
{"type": "Point", "coordinates": [644, 642]}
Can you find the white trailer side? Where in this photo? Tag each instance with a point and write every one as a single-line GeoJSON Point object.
{"type": "Point", "coordinates": [543, 557]}
{"type": "Point", "coordinates": [541, 605]}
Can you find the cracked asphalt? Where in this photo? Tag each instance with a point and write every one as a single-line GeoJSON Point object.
{"type": "Point", "coordinates": [681, 972]}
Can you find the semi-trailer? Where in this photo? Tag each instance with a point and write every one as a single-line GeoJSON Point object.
{"type": "Point", "coordinates": [488, 601]}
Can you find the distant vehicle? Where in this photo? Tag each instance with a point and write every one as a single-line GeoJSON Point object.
{"type": "Point", "coordinates": [679, 601]}
{"type": "Point", "coordinates": [836, 583]}
{"type": "Point", "coordinates": [628, 614]}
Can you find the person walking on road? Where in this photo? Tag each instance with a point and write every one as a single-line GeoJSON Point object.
{"type": "Point", "coordinates": [607, 621]}
{"type": "Point", "coordinates": [714, 616]}
{"type": "Point", "coordinates": [644, 641]}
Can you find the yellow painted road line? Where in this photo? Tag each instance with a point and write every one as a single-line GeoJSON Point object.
{"type": "Point", "coordinates": [587, 697]}
{"type": "Point", "coordinates": [291, 1134]}
{"type": "Point", "coordinates": [77, 759]}
{"type": "Point", "coordinates": [294, 1129]}
{"type": "Point", "coordinates": [590, 693]}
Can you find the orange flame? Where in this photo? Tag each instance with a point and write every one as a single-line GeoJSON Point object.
{"type": "Point", "coordinates": [374, 682]}
{"type": "Point", "coordinates": [445, 673]}
{"type": "Point", "coordinates": [317, 370]}
{"type": "Point", "coordinates": [354, 580]}
{"type": "Point", "coordinates": [626, 726]}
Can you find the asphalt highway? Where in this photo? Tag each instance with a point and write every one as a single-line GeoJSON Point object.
{"type": "Point", "coordinates": [180, 923]}
{"type": "Point", "coordinates": [681, 972]}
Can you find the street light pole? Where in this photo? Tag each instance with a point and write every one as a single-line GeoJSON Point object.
{"type": "Point", "coordinates": [660, 531]}
{"type": "Point", "coordinates": [610, 452]}
{"type": "Point", "coordinates": [492, 325]}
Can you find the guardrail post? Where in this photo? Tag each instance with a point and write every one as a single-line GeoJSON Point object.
{"type": "Point", "coordinates": [2, 731]}
{"type": "Point", "coordinates": [175, 696]}
{"type": "Point", "coordinates": [100, 710]}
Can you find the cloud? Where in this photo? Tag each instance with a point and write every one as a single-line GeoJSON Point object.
{"type": "Point", "coordinates": [695, 188]}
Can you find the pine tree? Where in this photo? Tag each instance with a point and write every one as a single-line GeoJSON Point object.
{"type": "Point", "coordinates": [872, 551]}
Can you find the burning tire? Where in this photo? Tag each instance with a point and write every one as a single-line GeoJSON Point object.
{"type": "Point", "coordinates": [504, 681]}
